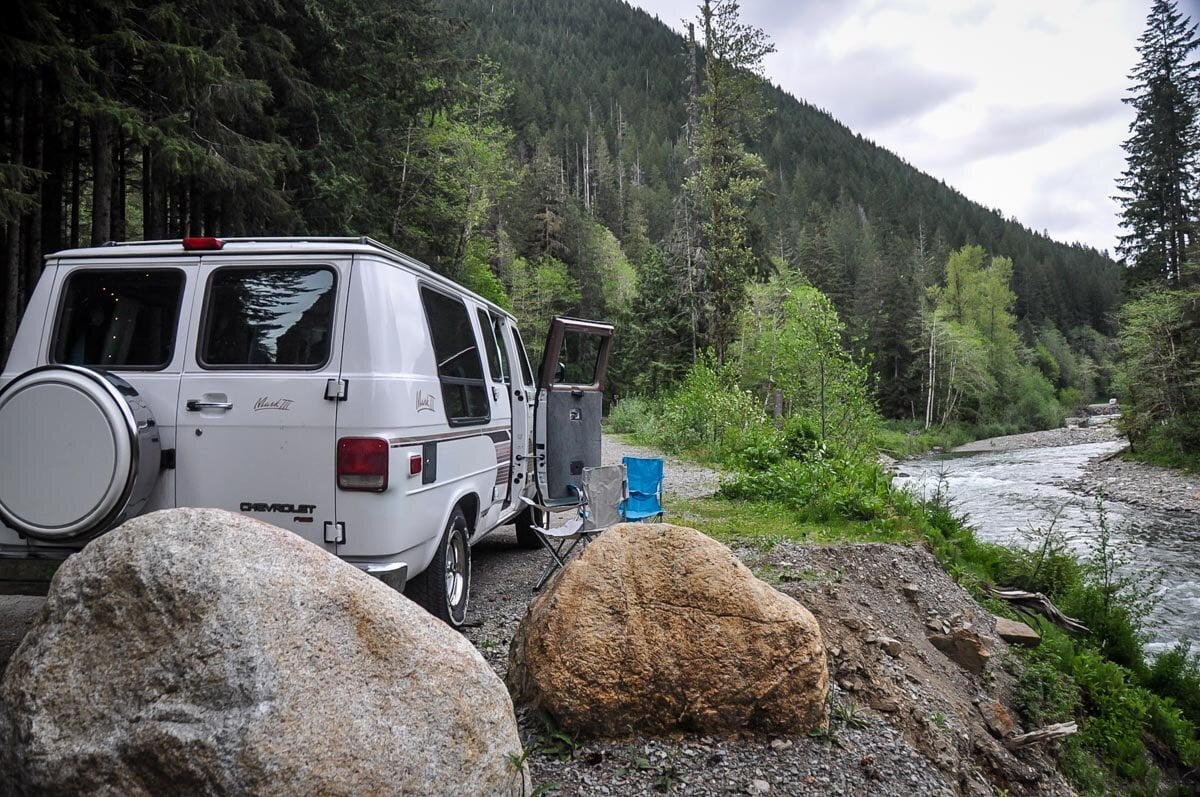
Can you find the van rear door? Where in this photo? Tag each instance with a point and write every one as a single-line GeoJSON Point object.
{"type": "Point", "coordinates": [257, 412]}
{"type": "Point", "coordinates": [570, 403]}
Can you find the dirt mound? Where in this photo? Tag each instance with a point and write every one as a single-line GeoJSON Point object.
{"type": "Point", "coordinates": [881, 609]}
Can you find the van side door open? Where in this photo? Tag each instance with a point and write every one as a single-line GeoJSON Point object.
{"type": "Point", "coordinates": [258, 398]}
{"type": "Point", "coordinates": [570, 403]}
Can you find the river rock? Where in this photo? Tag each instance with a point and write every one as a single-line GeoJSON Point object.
{"type": "Point", "coordinates": [1017, 633]}
{"type": "Point", "coordinates": [997, 718]}
{"type": "Point", "coordinates": [657, 628]}
{"type": "Point", "coordinates": [194, 651]}
{"type": "Point", "coordinates": [965, 648]}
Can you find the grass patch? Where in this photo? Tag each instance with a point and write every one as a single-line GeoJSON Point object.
{"type": "Point", "coordinates": [763, 524]}
{"type": "Point", "coordinates": [900, 439]}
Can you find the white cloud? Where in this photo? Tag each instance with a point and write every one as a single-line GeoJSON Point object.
{"type": "Point", "coordinates": [1017, 104]}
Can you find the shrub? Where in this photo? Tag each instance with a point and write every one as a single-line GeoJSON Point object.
{"type": "Point", "coordinates": [1044, 694]}
{"type": "Point", "coordinates": [1175, 673]}
{"type": "Point", "coordinates": [632, 415]}
{"type": "Point", "coordinates": [825, 485]}
{"type": "Point", "coordinates": [1117, 713]}
{"type": "Point", "coordinates": [707, 411]}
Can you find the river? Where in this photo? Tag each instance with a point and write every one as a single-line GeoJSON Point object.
{"type": "Point", "coordinates": [1007, 493]}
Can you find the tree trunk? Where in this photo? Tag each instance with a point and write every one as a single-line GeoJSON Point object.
{"type": "Point", "coordinates": [52, 186]}
{"type": "Point", "coordinates": [76, 158]}
{"type": "Point", "coordinates": [119, 233]}
{"type": "Point", "coordinates": [12, 230]}
{"type": "Point", "coordinates": [929, 398]}
{"type": "Point", "coordinates": [102, 180]}
{"type": "Point", "coordinates": [32, 234]}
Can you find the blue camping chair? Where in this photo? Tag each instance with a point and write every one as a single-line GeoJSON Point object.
{"type": "Point", "coordinates": [645, 489]}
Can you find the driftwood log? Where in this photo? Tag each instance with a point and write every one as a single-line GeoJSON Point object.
{"type": "Point", "coordinates": [1049, 733]}
{"type": "Point", "coordinates": [1027, 603]}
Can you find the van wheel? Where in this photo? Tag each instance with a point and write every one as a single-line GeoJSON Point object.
{"type": "Point", "coordinates": [445, 586]}
{"type": "Point", "coordinates": [526, 537]}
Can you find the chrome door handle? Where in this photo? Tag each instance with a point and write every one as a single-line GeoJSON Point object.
{"type": "Point", "coordinates": [195, 405]}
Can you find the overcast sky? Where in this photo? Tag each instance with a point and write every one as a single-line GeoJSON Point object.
{"type": "Point", "coordinates": [1017, 104]}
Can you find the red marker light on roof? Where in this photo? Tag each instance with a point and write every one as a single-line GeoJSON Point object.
{"type": "Point", "coordinates": [202, 244]}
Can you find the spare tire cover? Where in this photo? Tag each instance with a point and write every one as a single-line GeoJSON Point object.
{"type": "Point", "coordinates": [81, 452]}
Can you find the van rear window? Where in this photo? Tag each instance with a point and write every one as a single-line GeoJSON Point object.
{"type": "Point", "coordinates": [268, 317]}
{"type": "Point", "coordinates": [118, 319]}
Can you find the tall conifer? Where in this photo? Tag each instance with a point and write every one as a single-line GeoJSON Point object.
{"type": "Point", "coordinates": [1159, 185]}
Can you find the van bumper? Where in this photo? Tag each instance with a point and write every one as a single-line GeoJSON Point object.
{"type": "Point", "coordinates": [394, 574]}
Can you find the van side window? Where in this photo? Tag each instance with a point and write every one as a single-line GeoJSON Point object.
{"type": "Point", "coordinates": [496, 366]}
{"type": "Point", "coordinates": [464, 392]}
{"type": "Point", "coordinates": [268, 317]}
{"type": "Point", "coordinates": [526, 371]}
{"type": "Point", "coordinates": [502, 349]}
{"type": "Point", "coordinates": [118, 319]}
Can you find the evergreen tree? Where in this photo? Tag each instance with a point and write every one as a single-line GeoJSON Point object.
{"type": "Point", "coordinates": [731, 111]}
{"type": "Point", "coordinates": [1159, 184]}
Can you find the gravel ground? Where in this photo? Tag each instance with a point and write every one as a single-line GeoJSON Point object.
{"type": "Point", "coordinates": [1139, 484]}
{"type": "Point", "coordinates": [681, 478]}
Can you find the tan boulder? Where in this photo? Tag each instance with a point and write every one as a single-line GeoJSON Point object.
{"type": "Point", "coordinates": [194, 651]}
{"type": "Point", "coordinates": [1017, 633]}
{"type": "Point", "coordinates": [658, 628]}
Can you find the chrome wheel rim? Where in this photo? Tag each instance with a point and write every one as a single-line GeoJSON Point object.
{"type": "Point", "coordinates": [456, 577]}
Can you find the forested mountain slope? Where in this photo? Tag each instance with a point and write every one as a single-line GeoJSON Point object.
{"type": "Point", "coordinates": [611, 69]}
{"type": "Point", "coordinates": [559, 157]}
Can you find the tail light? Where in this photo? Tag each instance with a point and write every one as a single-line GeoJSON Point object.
{"type": "Point", "coordinates": [362, 464]}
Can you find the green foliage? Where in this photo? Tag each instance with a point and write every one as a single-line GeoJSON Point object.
{"type": "Point", "coordinates": [708, 412]}
{"type": "Point", "coordinates": [553, 741]}
{"type": "Point", "coordinates": [1110, 601]}
{"type": "Point", "coordinates": [1044, 694]}
{"type": "Point", "coordinates": [728, 177]}
{"type": "Point", "coordinates": [792, 341]}
{"type": "Point", "coordinates": [1160, 373]}
{"type": "Point", "coordinates": [822, 486]}
{"type": "Point", "coordinates": [901, 439]}
{"type": "Point", "coordinates": [1175, 674]}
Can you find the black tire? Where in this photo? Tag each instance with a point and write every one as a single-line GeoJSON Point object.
{"type": "Point", "coordinates": [445, 586]}
{"type": "Point", "coordinates": [526, 537]}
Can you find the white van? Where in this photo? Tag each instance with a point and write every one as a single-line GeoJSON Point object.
{"type": "Point", "coordinates": [331, 386]}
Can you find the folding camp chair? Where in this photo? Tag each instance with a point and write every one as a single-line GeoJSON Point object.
{"type": "Point", "coordinates": [645, 489]}
{"type": "Point", "coordinates": [600, 492]}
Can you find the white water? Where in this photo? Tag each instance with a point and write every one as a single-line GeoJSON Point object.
{"type": "Point", "coordinates": [1004, 493]}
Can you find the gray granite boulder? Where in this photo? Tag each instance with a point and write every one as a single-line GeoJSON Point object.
{"type": "Point", "coordinates": [196, 651]}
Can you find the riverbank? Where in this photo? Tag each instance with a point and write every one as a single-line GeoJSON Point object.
{"type": "Point", "coordinates": [1141, 485]}
{"type": "Point", "coordinates": [1109, 476]}
{"type": "Point", "coordinates": [1100, 430]}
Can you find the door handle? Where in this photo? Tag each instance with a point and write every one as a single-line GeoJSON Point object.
{"type": "Point", "coordinates": [195, 405]}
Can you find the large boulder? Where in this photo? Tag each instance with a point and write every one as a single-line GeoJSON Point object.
{"type": "Point", "coordinates": [656, 628]}
{"type": "Point", "coordinates": [195, 651]}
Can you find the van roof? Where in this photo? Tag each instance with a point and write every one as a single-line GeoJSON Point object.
{"type": "Point", "coordinates": [284, 245]}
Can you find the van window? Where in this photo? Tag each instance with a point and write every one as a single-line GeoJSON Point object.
{"type": "Point", "coordinates": [526, 372]}
{"type": "Point", "coordinates": [502, 349]}
{"type": "Point", "coordinates": [495, 366]}
{"type": "Point", "coordinates": [579, 356]}
{"type": "Point", "coordinates": [464, 392]}
{"type": "Point", "coordinates": [268, 318]}
{"type": "Point", "coordinates": [118, 319]}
